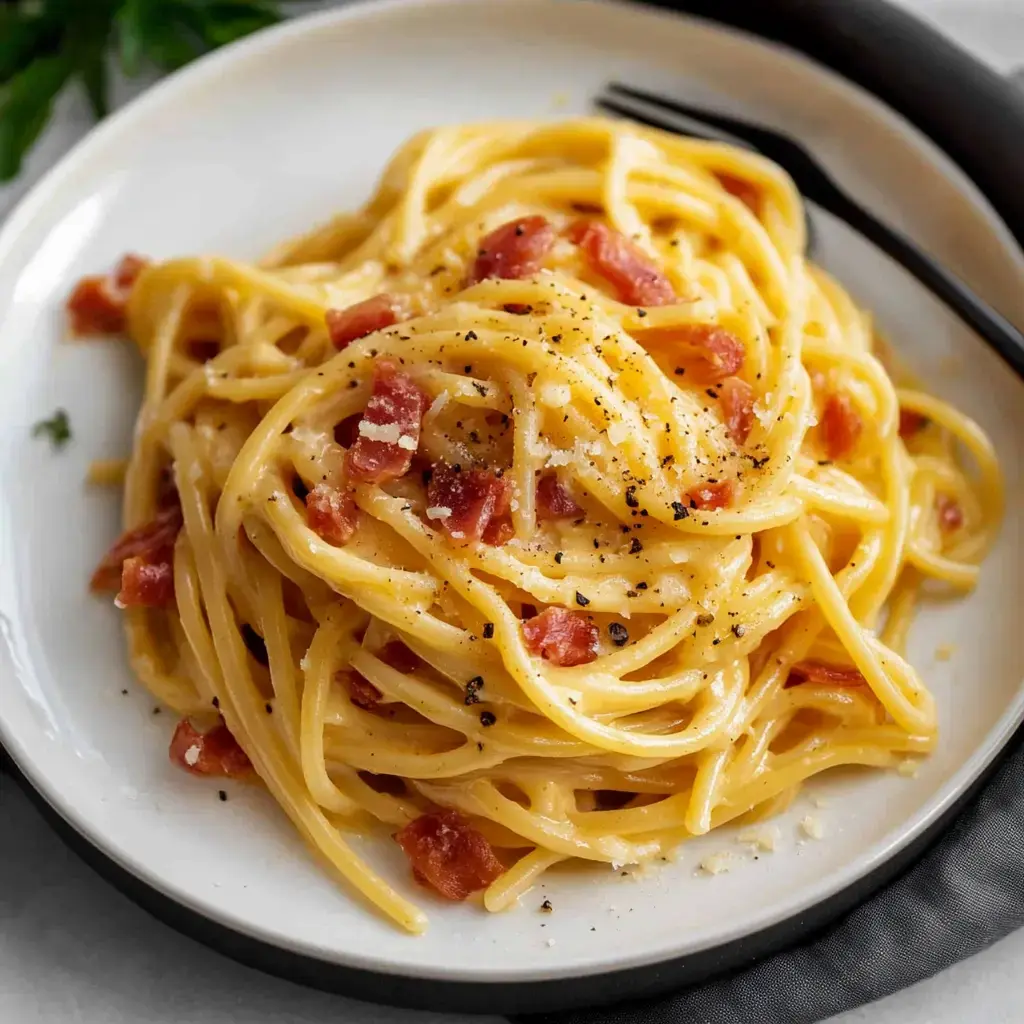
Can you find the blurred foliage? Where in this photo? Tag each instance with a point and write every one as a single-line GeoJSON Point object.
{"type": "Point", "coordinates": [45, 45]}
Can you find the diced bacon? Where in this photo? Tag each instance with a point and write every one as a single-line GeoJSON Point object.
{"type": "Point", "coordinates": [448, 854]}
{"type": "Point", "coordinates": [98, 304]}
{"type": "Point", "coordinates": [737, 398]}
{"type": "Point", "coordinates": [332, 514]}
{"type": "Point", "coordinates": [396, 402]}
{"type": "Point", "coordinates": [554, 501]}
{"type": "Point", "coordinates": [211, 753]}
{"type": "Point", "coordinates": [146, 542]}
{"type": "Point", "coordinates": [562, 637]}
{"type": "Point", "coordinates": [636, 278]}
{"type": "Point", "coordinates": [399, 657]}
{"type": "Point", "coordinates": [841, 425]}
{"type": "Point", "coordinates": [473, 496]}
{"type": "Point", "coordinates": [147, 581]}
{"type": "Point", "coordinates": [499, 532]}
{"type": "Point", "coordinates": [911, 422]}
{"type": "Point", "coordinates": [951, 515]}
{"type": "Point", "coordinates": [712, 495]}
{"type": "Point", "coordinates": [513, 251]}
{"type": "Point", "coordinates": [709, 353]}
{"type": "Point", "coordinates": [819, 673]}
{"type": "Point", "coordinates": [745, 191]}
{"type": "Point", "coordinates": [360, 690]}
{"type": "Point", "coordinates": [354, 322]}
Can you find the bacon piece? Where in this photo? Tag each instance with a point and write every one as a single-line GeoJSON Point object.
{"type": "Point", "coordinates": [821, 674]}
{"type": "Point", "coordinates": [745, 191]}
{"type": "Point", "coordinates": [98, 304]}
{"type": "Point", "coordinates": [737, 398]}
{"type": "Point", "coordinates": [499, 532]}
{"type": "Point", "coordinates": [473, 497]}
{"type": "Point", "coordinates": [710, 353]}
{"type": "Point", "coordinates": [448, 854]}
{"type": "Point", "coordinates": [332, 514]}
{"type": "Point", "coordinates": [711, 496]}
{"type": "Point", "coordinates": [211, 753]}
{"type": "Point", "coordinates": [841, 425]}
{"type": "Point", "coordinates": [354, 322]}
{"type": "Point", "coordinates": [148, 542]}
{"type": "Point", "coordinates": [634, 275]}
{"type": "Point", "coordinates": [911, 422]}
{"type": "Point", "coordinates": [360, 690]}
{"type": "Point", "coordinates": [147, 581]}
{"type": "Point", "coordinates": [554, 501]}
{"type": "Point", "coordinates": [396, 407]}
{"type": "Point", "coordinates": [951, 515]}
{"type": "Point", "coordinates": [562, 637]}
{"type": "Point", "coordinates": [513, 251]}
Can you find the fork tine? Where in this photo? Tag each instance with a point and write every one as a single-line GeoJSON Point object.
{"type": "Point", "coordinates": [653, 121]}
{"type": "Point", "coordinates": [672, 124]}
{"type": "Point", "coordinates": [734, 126]}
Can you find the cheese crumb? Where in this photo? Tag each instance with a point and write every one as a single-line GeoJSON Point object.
{"type": "Point", "coordinates": [438, 403]}
{"type": "Point", "coordinates": [386, 432]}
{"type": "Point", "coordinates": [617, 433]}
{"type": "Point", "coordinates": [821, 801]}
{"type": "Point", "coordinates": [555, 396]}
{"type": "Point", "coordinates": [192, 755]}
{"type": "Point", "coordinates": [812, 827]}
{"type": "Point", "coordinates": [438, 512]}
{"type": "Point", "coordinates": [907, 768]}
{"type": "Point", "coordinates": [764, 838]}
{"type": "Point", "coordinates": [716, 863]}
{"type": "Point", "coordinates": [409, 443]}
{"type": "Point", "coordinates": [550, 942]}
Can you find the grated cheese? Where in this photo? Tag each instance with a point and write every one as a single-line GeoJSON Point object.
{"type": "Point", "coordinates": [438, 512]}
{"type": "Point", "coordinates": [555, 396]}
{"type": "Point", "coordinates": [386, 432]}
{"type": "Point", "coordinates": [438, 403]}
{"type": "Point", "coordinates": [764, 838]}
{"type": "Point", "coordinates": [812, 827]}
{"type": "Point", "coordinates": [716, 863]}
{"type": "Point", "coordinates": [617, 433]}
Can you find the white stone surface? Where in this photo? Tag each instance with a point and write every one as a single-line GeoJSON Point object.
{"type": "Point", "coordinates": [74, 950]}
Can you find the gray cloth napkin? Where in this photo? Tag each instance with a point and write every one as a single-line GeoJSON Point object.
{"type": "Point", "coordinates": [964, 894]}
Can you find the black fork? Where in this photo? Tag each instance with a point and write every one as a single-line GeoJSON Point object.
{"type": "Point", "coordinates": [817, 185]}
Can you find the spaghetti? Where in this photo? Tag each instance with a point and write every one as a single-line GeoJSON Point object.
{"type": "Point", "coordinates": [551, 506]}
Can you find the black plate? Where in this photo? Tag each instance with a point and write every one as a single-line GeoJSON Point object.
{"type": "Point", "coordinates": [977, 117]}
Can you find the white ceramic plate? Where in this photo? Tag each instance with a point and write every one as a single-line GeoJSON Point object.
{"type": "Point", "coordinates": [255, 145]}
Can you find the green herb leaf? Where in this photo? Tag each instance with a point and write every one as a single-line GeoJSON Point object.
{"type": "Point", "coordinates": [26, 103]}
{"type": "Point", "coordinates": [24, 37]}
{"type": "Point", "coordinates": [57, 428]}
{"type": "Point", "coordinates": [92, 70]}
{"type": "Point", "coordinates": [228, 20]}
{"type": "Point", "coordinates": [43, 43]}
{"type": "Point", "coordinates": [131, 32]}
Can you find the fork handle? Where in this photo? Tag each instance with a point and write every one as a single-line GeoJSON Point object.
{"type": "Point", "coordinates": [992, 326]}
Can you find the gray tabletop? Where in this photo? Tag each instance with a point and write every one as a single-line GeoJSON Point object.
{"type": "Point", "coordinates": [73, 949]}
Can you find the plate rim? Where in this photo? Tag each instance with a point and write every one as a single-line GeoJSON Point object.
{"type": "Point", "coordinates": [393, 985]}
